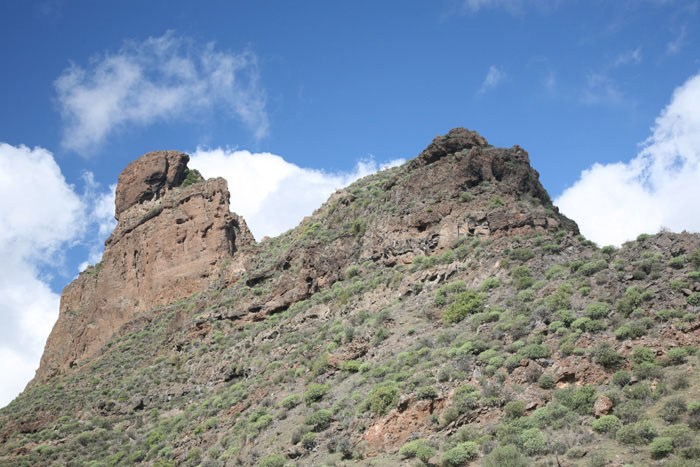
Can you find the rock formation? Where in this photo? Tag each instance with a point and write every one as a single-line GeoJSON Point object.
{"type": "Point", "coordinates": [443, 310]}
{"type": "Point", "coordinates": [169, 243]}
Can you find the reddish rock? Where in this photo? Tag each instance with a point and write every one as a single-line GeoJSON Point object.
{"type": "Point", "coordinates": [602, 406]}
{"type": "Point", "coordinates": [148, 177]}
{"type": "Point", "coordinates": [170, 243]}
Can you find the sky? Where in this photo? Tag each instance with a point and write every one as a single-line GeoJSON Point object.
{"type": "Point", "coordinates": [292, 100]}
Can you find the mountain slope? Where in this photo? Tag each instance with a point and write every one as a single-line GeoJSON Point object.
{"type": "Point", "coordinates": [443, 310]}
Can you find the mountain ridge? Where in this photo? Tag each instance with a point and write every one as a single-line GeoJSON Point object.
{"type": "Point", "coordinates": [442, 310]}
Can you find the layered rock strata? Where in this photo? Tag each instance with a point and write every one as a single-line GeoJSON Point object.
{"type": "Point", "coordinates": [169, 243]}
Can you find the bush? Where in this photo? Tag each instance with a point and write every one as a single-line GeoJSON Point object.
{"type": "Point", "coordinates": [417, 449]}
{"type": "Point", "coordinates": [534, 351]}
{"type": "Point", "coordinates": [605, 356]}
{"type": "Point", "coordinates": [694, 299]}
{"type": "Point", "coordinates": [465, 303]}
{"type": "Point", "coordinates": [580, 399]}
{"type": "Point", "coordinates": [505, 456]}
{"type": "Point", "coordinates": [319, 420]}
{"type": "Point", "coordinates": [546, 381]}
{"type": "Point", "coordinates": [465, 398]}
{"type": "Point", "coordinates": [673, 409]}
{"type": "Point", "coordinates": [290, 401]}
{"type": "Point", "coordinates": [661, 447]}
{"type": "Point", "coordinates": [515, 409]}
{"type": "Point", "coordinates": [274, 460]}
{"type": "Point", "coordinates": [642, 355]}
{"type": "Point", "coordinates": [597, 310]}
{"type": "Point", "coordinates": [681, 435]}
{"type": "Point", "coordinates": [382, 397]}
{"type": "Point", "coordinates": [677, 356]}
{"type": "Point", "coordinates": [308, 440]}
{"type": "Point", "coordinates": [426, 392]}
{"type": "Point", "coordinates": [315, 392]}
{"type": "Point", "coordinates": [533, 441]}
{"type": "Point", "coordinates": [621, 378]}
{"type": "Point", "coordinates": [607, 424]}
{"type": "Point", "coordinates": [630, 411]}
{"type": "Point", "coordinates": [521, 254]}
{"type": "Point", "coordinates": [459, 455]}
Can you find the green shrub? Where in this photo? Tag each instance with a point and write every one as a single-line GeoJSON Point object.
{"type": "Point", "coordinates": [465, 303]}
{"type": "Point", "coordinates": [576, 452]}
{"type": "Point", "coordinates": [673, 409]}
{"type": "Point", "coordinates": [546, 381]}
{"type": "Point", "coordinates": [694, 299]}
{"type": "Point", "coordinates": [641, 355]}
{"type": "Point", "coordinates": [661, 447]}
{"type": "Point", "coordinates": [533, 441]}
{"type": "Point", "coordinates": [274, 460]}
{"type": "Point", "coordinates": [605, 356]}
{"type": "Point", "coordinates": [192, 176]}
{"type": "Point", "coordinates": [533, 351]}
{"type": "Point", "coordinates": [521, 254]}
{"type": "Point", "coordinates": [308, 440]}
{"type": "Point", "coordinates": [419, 449]}
{"type": "Point", "coordinates": [621, 378]}
{"type": "Point", "coordinates": [426, 392]}
{"type": "Point", "coordinates": [465, 398]}
{"type": "Point", "coordinates": [315, 392]}
{"type": "Point", "coordinates": [597, 310]}
{"type": "Point", "coordinates": [290, 401]}
{"type": "Point", "coordinates": [607, 424]}
{"type": "Point", "coordinates": [319, 420]}
{"type": "Point", "coordinates": [677, 356]}
{"type": "Point", "coordinates": [505, 456]}
{"type": "Point", "coordinates": [681, 435]}
{"type": "Point", "coordinates": [382, 397]}
{"type": "Point", "coordinates": [459, 455]}
{"type": "Point", "coordinates": [515, 409]}
{"type": "Point", "coordinates": [490, 283]}
{"type": "Point", "coordinates": [639, 433]}
{"type": "Point", "coordinates": [580, 400]}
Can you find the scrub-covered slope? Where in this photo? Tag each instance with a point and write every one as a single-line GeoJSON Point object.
{"type": "Point", "coordinates": [442, 312]}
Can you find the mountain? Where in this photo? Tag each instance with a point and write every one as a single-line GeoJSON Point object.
{"type": "Point", "coordinates": [442, 312]}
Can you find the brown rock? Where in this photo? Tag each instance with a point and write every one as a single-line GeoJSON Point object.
{"type": "Point", "coordinates": [148, 177]}
{"type": "Point", "coordinates": [169, 244]}
{"type": "Point", "coordinates": [602, 406]}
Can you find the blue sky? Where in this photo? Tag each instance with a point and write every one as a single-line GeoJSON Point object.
{"type": "Point", "coordinates": [290, 98]}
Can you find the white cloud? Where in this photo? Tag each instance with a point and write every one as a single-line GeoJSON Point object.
{"type": "Point", "coordinates": [511, 6]}
{"type": "Point", "coordinates": [493, 78]}
{"type": "Point", "coordinates": [270, 193]}
{"type": "Point", "coordinates": [675, 46]}
{"type": "Point", "coordinates": [602, 90]}
{"type": "Point", "coordinates": [613, 203]}
{"type": "Point", "coordinates": [629, 57]}
{"type": "Point", "coordinates": [158, 79]}
{"type": "Point", "coordinates": [40, 215]}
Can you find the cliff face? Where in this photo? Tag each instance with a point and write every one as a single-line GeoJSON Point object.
{"type": "Point", "coordinates": [169, 243]}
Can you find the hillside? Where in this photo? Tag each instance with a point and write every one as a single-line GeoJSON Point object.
{"type": "Point", "coordinates": [442, 312]}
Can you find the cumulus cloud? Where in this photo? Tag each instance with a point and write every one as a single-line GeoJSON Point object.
{"type": "Point", "coordinates": [39, 219]}
{"type": "Point", "coordinates": [274, 195]}
{"type": "Point", "coordinates": [493, 78]}
{"type": "Point", "coordinates": [161, 78]}
{"type": "Point", "coordinates": [658, 188]}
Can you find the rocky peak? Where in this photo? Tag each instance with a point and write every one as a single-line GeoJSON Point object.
{"type": "Point", "coordinates": [148, 177]}
{"type": "Point", "coordinates": [456, 140]}
{"type": "Point", "coordinates": [170, 242]}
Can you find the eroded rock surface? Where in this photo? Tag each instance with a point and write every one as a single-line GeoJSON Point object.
{"type": "Point", "coordinates": [170, 242]}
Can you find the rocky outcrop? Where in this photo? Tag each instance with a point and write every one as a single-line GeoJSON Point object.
{"type": "Point", "coordinates": [169, 243]}
{"type": "Point", "coordinates": [148, 177]}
